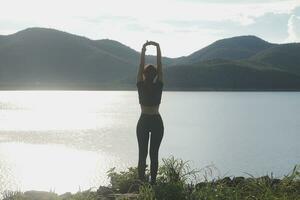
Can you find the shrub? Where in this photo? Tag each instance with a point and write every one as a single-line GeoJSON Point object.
{"type": "Point", "coordinates": [124, 181]}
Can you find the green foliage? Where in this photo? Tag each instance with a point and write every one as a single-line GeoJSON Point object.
{"type": "Point", "coordinates": [175, 170]}
{"type": "Point", "coordinates": [29, 195]}
{"type": "Point", "coordinates": [262, 188]}
{"type": "Point", "coordinates": [84, 195]}
{"type": "Point", "coordinates": [177, 181]}
{"type": "Point", "coordinates": [171, 191]}
{"type": "Point", "coordinates": [12, 195]}
{"type": "Point", "coordinates": [146, 192]}
{"type": "Point", "coordinates": [124, 181]}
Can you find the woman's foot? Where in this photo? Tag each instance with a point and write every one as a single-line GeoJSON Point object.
{"type": "Point", "coordinates": [153, 182]}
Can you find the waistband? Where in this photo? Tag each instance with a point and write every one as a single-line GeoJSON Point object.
{"type": "Point", "coordinates": [150, 115]}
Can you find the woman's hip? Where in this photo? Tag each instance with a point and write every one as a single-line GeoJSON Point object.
{"type": "Point", "coordinates": [151, 121]}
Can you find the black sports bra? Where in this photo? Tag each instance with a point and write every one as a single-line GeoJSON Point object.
{"type": "Point", "coordinates": [149, 95]}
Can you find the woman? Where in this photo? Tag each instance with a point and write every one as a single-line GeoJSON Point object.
{"type": "Point", "coordinates": [149, 84]}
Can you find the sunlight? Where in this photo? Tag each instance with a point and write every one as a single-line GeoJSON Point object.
{"type": "Point", "coordinates": [55, 167]}
{"type": "Point", "coordinates": [79, 121]}
{"type": "Point", "coordinates": [55, 110]}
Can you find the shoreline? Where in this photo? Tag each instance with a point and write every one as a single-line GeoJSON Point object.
{"type": "Point", "coordinates": [165, 90]}
{"type": "Point", "coordinates": [107, 192]}
{"type": "Point", "coordinates": [177, 181]}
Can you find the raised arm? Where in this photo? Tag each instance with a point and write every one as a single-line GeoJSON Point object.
{"type": "Point", "coordinates": [142, 63]}
{"type": "Point", "coordinates": [159, 65]}
{"type": "Point", "coordinates": [158, 57]}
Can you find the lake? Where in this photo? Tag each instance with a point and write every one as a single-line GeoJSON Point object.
{"type": "Point", "coordinates": [67, 140]}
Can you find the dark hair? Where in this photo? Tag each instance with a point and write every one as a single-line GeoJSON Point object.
{"type": "Point", "coordinates": [149, 72]}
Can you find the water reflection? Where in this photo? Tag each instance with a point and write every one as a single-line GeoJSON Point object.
{"type": "Point", "coordinates": [48, 138]}
{"type": "Point", "coordinates": [52, 167]}
{"type": "Point", "coordinates": [61, 140]}
{"type": "Point", "coordinates": [56, 110]}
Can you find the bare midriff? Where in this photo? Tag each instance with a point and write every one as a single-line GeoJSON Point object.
{"type": "Point", "coordinates": [150, 110]}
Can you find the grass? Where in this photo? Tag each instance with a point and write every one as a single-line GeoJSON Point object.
{"type": "Point", "coordinates": [176, 180]}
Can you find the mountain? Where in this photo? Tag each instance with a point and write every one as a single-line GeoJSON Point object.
{"type": "Point", "coordinates": [39, 58]}
{"type": "Point", "coordinates": [221, 74]}
{"type": "Point", "coordinates": [284, 57]}
{"type": "Point", "coordinates": [235, 48]}
{"type": "Point", "coordinates": [239, 63]}
{"type": "Point", "coordinates": [126, 53]}
{"type": "Point", "coordinates": [45, 56]}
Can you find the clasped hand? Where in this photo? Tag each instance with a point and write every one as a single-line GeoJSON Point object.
{"type": "Point", "coordinates": [150, 43]}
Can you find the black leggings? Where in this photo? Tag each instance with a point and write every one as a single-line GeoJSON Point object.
{"type": "Point", "coordinates": [154, 124]}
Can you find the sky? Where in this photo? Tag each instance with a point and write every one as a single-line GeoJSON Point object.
{"type": "Point", "coordinates": [180, 26]}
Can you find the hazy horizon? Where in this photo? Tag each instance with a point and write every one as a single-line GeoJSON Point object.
{"type": "Point", "coordinates": [152, 50]}
{"type": "Point", "coordinates": [175, 23]}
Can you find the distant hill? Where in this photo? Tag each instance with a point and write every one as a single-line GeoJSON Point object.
{"type": "Point", "coordinates": [285, 57]}
{"type": "Point", "coordinates": [235, 48]}
{"type": "Point", "coordinates": [229, 75]}
{"type": "Point", "coordinates": [45, 56]}
{"type": "Point", "coordinates": [126, 53]}
{"type": "Point", "coordinates": [238, 63]}
{"type": "Point", "coordinates": [39, 58]}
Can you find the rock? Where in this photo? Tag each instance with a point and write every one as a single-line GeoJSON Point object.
{"type": "Point", "coordinates": [238, 180]}
{"type": "Point", "coordinates": [102, 190]}
{"type": "Point", "coordinates": [226, 181]}
{"type": "Point", "coordinates": [129, 196]}
{"type": "Point", "coordinates": [200, 185]}
{"type": "Point", "coordinates": [275, 182]}
{"type": "Point", "coordinates": [264, 179]}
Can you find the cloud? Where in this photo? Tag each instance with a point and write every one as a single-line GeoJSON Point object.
{"type": "Point", "coordinates": [193, 23]}
{"type": "Point", "coordinates": [235, 1]}
{"type": "Point", "coordinates": [270, 26]}
{"type": "Point", "coordinates": [294, 29]}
